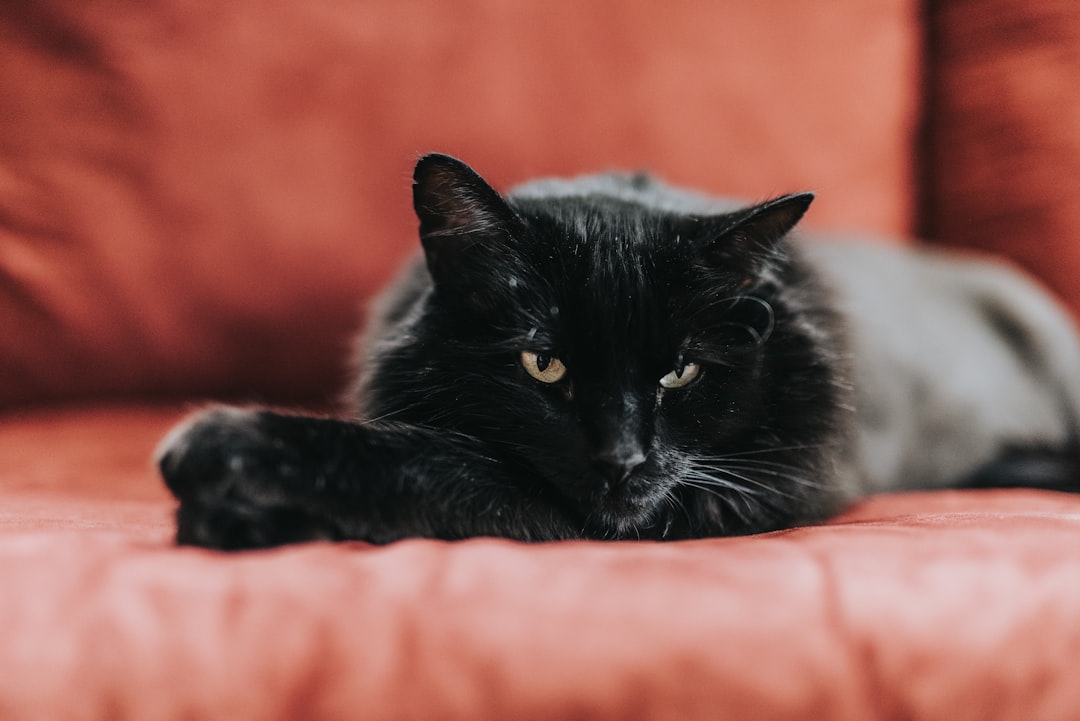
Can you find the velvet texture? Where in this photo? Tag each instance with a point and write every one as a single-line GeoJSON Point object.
{"type": "Point", "coordinates": [197, 197]}
{"type": "Point", "coordinates": [1003, 158]}
{"type": "Point", "coordinates": [933, 606]}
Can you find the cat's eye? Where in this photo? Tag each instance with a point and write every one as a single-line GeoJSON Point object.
{"type": "Point", "coordinates": [682, 377]}
{"type": "Point", "coordinates": [544, 368]}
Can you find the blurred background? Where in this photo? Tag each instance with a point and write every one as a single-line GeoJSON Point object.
{"type": "Point", "coordinates": [198, 197]}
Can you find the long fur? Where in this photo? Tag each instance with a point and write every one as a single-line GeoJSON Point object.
{"type": "Point", "coordinates": [624, 281]}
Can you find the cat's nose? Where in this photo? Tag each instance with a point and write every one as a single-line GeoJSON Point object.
{"type": "Point", "coordinates": [616, 467]}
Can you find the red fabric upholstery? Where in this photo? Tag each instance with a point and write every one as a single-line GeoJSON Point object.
{"type": "Point", "coordinates": [1004, 158]}
{"type": "Point", "coordinates": [196, 198]}
{"type": "Point", "coordinates": [937, 606]}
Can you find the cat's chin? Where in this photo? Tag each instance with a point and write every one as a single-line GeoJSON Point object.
{"type": "Point", "coordinates": [625, 514]}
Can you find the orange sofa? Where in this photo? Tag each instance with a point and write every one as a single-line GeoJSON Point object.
{"type": "Point", "coordinates": [196, 201]}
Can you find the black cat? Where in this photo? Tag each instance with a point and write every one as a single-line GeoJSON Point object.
{"type": "Point", "coordinates": [610, 357]}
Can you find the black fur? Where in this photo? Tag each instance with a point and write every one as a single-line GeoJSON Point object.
{"type": "Point", "coordinates": [457, 439]}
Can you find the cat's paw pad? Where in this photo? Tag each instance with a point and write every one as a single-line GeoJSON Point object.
{"type": "Point", "coordinates": [209, 453]}
{"type": "Point", "coordinates": [232, 524]}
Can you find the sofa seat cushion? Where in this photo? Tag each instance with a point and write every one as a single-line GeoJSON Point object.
{"type": "Point", "coordinates": [933, 606]}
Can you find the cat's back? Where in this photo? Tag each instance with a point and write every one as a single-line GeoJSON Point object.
{"type": "Point", "coordinates": [955, 360]}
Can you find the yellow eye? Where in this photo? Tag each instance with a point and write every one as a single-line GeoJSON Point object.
{"type": "Point", "coordinates": [544, 368]}
{"type": "Point", "coordinates": [680, 378]}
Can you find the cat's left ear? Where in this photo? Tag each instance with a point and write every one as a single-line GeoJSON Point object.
{"type": "Point", "coordinates": [464, 222]}
{"type": "Point", "coordinates": [744, 243]}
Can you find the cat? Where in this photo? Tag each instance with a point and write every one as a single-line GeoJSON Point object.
{"type": "Point", "coordinates": [610, 357]}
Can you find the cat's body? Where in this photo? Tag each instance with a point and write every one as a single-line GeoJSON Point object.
{"type": "Point", "coordinates": [958, 365]}
{"type": "Point", "coordinates": [609, 357]}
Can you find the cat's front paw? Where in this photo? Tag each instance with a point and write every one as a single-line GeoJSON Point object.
{"type": "Point", "coordinates": [234, 524]}
{"type": "Point", "coordinates": [230, 469]}
{"type": "Point", "coordinates": [214, 452]}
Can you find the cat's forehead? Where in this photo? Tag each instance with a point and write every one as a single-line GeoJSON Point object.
{"type": "Point", "coordinates": [639, 188]}
{"type": "Point", "coordinates": [608, 263]}
{"type": "Point", "coordinates": [597, 226]}
{"type": "Point", "coordinates": [595, 247]}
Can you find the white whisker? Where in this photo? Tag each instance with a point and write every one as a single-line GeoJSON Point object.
{"type": "Point", "coordinates": [760, 451]}
{"type": "Point", "coordinates": [780, 471]}
{"type": "Point", "coordinates": [739, 494]}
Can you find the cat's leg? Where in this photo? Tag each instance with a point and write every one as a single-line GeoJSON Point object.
{"type": "Point", "coordinates": [251, 478]}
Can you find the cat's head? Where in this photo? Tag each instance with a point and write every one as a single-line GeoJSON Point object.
{"type": "Point", "coordinates": [617, 348]}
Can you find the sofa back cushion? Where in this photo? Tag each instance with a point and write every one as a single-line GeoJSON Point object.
{"type": "Point", "coordinates": [1003, 161]}
{"type": "Point", "coordinates": [197, 197]}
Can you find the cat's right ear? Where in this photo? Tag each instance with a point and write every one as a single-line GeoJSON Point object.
{"type": "Point", "coordinates": [463, 220]}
